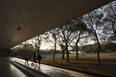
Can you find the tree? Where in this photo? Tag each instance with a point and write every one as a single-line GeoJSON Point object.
{"type": "Point", "coordinates": [92, 48]}
{"type": "Point", "coordinates": [94, 19]}
{"type": "Point", "coordinates": [80, 31]}
{"type": "Point", "coordinates": [66, 34]}
{"type": "Point", "coordinates": [63, 49]}
{"type": "Point", "coordinates": [61, 41]}
{"type": "Point", "coordinates": [110, 47]}
{"type": "Point", "coordinates": [37, 42]}
{"type": "Point", "coordinates": [53, 39]}
{"type": "Point", "coordinates": [110, 21]}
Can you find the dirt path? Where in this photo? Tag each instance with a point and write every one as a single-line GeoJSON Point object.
{"type": "Point", "coordinates": [88, 63]}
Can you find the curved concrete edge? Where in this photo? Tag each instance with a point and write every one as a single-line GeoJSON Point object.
{"type": "Point", "coordinates": [95, 74]}
{"type": "Point", "coordinates": [22, 69]}
{"type": "Point", "coordinates": [28, 71]}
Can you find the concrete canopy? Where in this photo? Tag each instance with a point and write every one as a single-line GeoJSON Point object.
{"type": "Point", "coordinates": [21, 20]}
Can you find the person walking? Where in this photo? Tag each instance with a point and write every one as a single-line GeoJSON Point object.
{"type": "Point", "coordinates": [39, 59]}
{"type": "Point", "coordinates": [26, 59]}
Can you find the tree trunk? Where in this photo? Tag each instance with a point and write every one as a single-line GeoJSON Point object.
{"type": "Point", "coordinates": [54, 51]}
{"type": "Point", "coordinates": [62, 54]}
{"type": "Point", "coordinates": [98, 54]}
{"type": "Point", "coordinates": [67, 53]}
{"type": "Point", "coordinates": [77, 49]}
{"type": "Point", "coordinates": [99, 48]}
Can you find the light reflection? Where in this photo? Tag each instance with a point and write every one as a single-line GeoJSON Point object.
{"type": "Point", "coordinates": [16, 71]}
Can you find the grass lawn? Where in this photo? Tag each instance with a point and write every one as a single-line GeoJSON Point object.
{"type": "Point", "coordinates": [87, 63]}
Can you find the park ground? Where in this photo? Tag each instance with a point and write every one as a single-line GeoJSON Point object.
{"type": "Point", "coordinates": [87, 63]}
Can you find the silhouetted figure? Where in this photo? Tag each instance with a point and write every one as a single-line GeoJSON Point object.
{"type": "Point", "coordinates": [39, 58]}
{"type": "Point", "coordinates": [26, 59]}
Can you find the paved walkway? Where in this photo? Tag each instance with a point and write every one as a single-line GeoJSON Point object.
{"type": "Point", "coordinates": [52, 71]}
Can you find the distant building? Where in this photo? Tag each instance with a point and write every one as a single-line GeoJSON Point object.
{"type": "Point", "coordinates": [80, 51]}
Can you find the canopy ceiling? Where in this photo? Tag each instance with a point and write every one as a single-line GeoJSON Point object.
{"type": "Point", "coordinates": [21, 20]}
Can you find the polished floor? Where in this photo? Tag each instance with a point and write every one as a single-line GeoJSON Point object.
{"type": "Point", "coordinates": [52, 71]}
{"type": "Point", "coordinates": [8, 70]}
